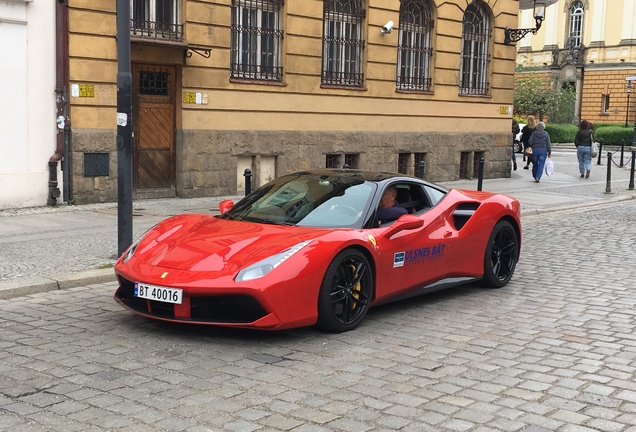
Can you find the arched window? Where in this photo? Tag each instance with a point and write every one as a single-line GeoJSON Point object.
{"type": "Point", "coordinates": [414, 46]}
{"type": "Point", "coordinates": [576, 25]}
{"type": "Point", "coordinates": [256, 39]}
{"type": "Point", "coordinates": [343, 42]}
{"type": "Point", "coordinates": [475, 41]}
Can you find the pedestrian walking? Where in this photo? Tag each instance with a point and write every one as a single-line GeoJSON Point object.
{"type": "Point", "coordinates": [526, 133]}
{"type": "Point", "coordinates": [583, 142]}
{"type": "Point", "coordinates": [515, 132]}
{"type": "Point", "coordinates": [541, 150]}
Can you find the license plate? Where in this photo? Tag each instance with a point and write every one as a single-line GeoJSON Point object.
{"type": "Point", "coordinates": [158, 293]}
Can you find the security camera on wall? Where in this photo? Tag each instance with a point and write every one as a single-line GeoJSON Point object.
{"type": "Point", "coordinates": [386, 28]}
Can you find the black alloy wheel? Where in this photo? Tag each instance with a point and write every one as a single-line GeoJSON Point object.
{"type": "Point", "coordinates": [346, 292]}
{"type": "Point", "coordinates": [502, 253]}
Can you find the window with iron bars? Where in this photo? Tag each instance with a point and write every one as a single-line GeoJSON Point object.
{"type": "Point", "coordinates": [351, 160]}
{"type": "Point", "coordinates": [475, 56]}
{"type": "Point", "coordinates": [256, 40]}
{"type": "Point", "coordinates": [576, 25]}
{"type": "Point", "coordinates": [156, 19]}
{"type": "Point", "coordinates": [414, 48]}
{"type": "Point", "coordinates": [343, 43]}
{"type": "Point", "coordinates": [332, 161]}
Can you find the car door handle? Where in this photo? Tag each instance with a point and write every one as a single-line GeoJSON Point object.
{"type": "Point", "coordinates": [448, 234]}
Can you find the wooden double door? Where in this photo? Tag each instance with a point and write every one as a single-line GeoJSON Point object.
{"type": "Point", "coordinates": [154, 162]}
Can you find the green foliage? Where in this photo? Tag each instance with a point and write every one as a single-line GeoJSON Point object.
{"type": "Point", "coordinates": [613, 134]}
{"type": "Point", "coordinates": [561, 132]}
{"type": "Point", "coordinates": [610, 133]}
{"type": "Point", "coordinates": [530, 96]}
{"type": "Point", "coordinates": [534, 95]}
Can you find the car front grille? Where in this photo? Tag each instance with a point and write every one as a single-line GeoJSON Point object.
{"type": "Point", "coordinates": [230, 309]}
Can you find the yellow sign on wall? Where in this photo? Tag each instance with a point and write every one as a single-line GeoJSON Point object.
{"type": "Point", "coordinates": [83, 90]}
{"type": "Point", "coordinates": [195, 98]}
{"type": "Point", "coordinates": [505, 109]}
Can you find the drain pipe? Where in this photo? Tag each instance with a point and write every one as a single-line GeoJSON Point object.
{"type": "Point", "coordinates": [61, 102]}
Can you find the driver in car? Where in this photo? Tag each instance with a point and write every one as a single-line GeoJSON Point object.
{"type": "Point", "coordinates": [388, 209]}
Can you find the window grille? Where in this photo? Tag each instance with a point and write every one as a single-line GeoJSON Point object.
{"type": "Point", "coordinates": [403, 162]}
{"type": "Point", "coordinates": [156, 19]}
{"type": "Point", "coordinates": [154, 82]}
{"type": "Point", "coordinates": [576, 25]}
{"type": "Point", "coordinates": [352, 160]}
{"type": "Point", "coordinates": [414, 48]}
{"type": "Point", "coordinates": [475, 57]}
{"type": "Point", "coordinates": [256, 39]}
{"type": "Point", "coordinates": [343, 42]}
{"type": "Point", "coordinates": [331, 161]}
{"type": "Point", "coordinates": [418, 159]}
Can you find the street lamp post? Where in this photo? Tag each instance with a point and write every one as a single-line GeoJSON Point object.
{"type": "Point", "coordinates": [629, 92]}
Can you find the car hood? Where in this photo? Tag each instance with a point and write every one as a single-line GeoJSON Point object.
{"type": "Point", "coordinates": [206, 243]}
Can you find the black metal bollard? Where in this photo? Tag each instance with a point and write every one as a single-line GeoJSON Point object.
{"type": "Point", "coordinates": [608, 183]}
{"type": "Point", "coordinates": [420, 169]}
{"type": "Point", "coordinates": [622, 151]}
{"type": "Point", "coordinates": [248, 180]}
{"type": "Point", "coordinates": [480, 178]}
{"type": "Point", "coordinates": [600, 151]}
{"type": "Point", "coordinates": [631, 172]}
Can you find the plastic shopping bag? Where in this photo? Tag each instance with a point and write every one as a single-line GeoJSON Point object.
{"type": "Point", "coordinates": [549, 167]}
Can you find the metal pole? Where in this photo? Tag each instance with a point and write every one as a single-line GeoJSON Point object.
{"type": "Point", "coordinates": [627, 111]}
{"type": "Point", "coordinates": [422, 166]}
{"type": "Point", "coordinates": [248, 181]}
{"type": "Point", "coordinates": [631, 172]}
{"type": "Point", "coordinates": [124, 129]}
{"type": "Point", "coordinates": [622, 151]}
{"type": "Point", "coordinates": [608, 183]}
{"type": "Point", "coordinates": [600, 151]}
{"type": "Point", "coordinates": [480, 179]}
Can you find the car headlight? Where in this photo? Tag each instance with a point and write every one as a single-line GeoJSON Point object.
{"type": "Point", "coordinates": [131, 250]}
{"type": "Point", "coordinates": [265, 266]}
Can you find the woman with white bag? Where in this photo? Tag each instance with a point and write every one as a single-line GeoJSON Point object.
{"type": "Point", "coordinates": [583, 142]}
{"type": "Point", "coordinates": [541, 150]}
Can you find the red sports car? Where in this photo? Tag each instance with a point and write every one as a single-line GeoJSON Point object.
{"type": "Point", "coordinates": [308, 248]}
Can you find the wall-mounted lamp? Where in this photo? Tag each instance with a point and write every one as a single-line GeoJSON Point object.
{"type": "Point", "coordinates": [515, 35]}
{"type": "Point", "coordinates": [386, 28]}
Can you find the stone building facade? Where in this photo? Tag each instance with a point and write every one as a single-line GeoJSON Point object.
{"type": "Point", "coordinates": [275, 86]}
{"type": "Point", "coordinates": [590, 45]}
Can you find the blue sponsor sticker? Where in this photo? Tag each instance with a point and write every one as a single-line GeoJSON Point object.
{"type": "Point", "coordinates": [398, 259]}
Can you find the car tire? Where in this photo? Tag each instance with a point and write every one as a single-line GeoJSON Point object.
{"type": "Point", "coordinates": [502, 253]}
{"type": "Point", "coordinates": [346, 292]}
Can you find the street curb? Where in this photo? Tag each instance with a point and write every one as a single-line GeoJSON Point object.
{"type": "Point", "coordinates": [37, 284]}
{"type": "Point", "coordinates": [577, 206]}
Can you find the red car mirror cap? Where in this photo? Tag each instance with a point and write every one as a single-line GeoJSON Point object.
{"type": "Point", "coordinates": [225, 206]}
{"type": "Point", "coordinates": [405, 222]}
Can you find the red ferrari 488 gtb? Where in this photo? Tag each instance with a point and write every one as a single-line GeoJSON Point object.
{"type": "Point", "coordinates": [308, 248]}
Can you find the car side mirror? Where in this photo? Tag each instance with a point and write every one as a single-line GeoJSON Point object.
{"type": "Point", "coordinates": [225, 206]}
{"type": "Point", "coordinates": [405, 222]}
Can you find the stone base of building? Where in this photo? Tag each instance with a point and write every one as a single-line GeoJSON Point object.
{"type": "Point", "coordinates": [214, 163]}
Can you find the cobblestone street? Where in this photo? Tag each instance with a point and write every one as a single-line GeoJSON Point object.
{"type": "Point", "coordinates": [555, 350]}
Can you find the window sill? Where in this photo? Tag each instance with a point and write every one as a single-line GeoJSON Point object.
{"type": "Point", "coordinates": [419, 92]}
{"type": "Point", "coordinates": [342, 87]}
{"type": "Point", "coordinates": [258, 81]}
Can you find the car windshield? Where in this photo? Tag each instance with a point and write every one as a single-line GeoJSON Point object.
{"type": "Point", "coordinates": [306, 200]}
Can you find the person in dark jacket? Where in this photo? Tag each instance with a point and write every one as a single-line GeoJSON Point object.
{"type": "Point", "coordinates": [526, 132]}
{"type": "Point", "coordinates": [541, 150]}
{"type": "Point", "coordinates": [388, 209]}
{"type": "Point", "coordinates": [583, 142]}
{"type": "Point", "coordinates": [515, 132]}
